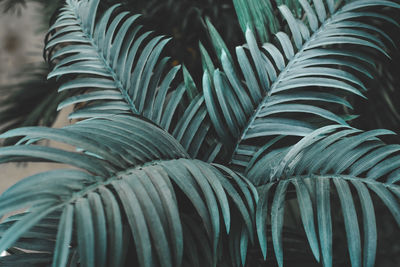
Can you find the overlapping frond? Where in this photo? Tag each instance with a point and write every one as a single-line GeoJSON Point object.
{"type": "Point", "coordinates": [348, 159]}
{"type": "Point", "coordinates": [104, 51]}
{"type": "Point", "coordinates": [131, 180]}
{"type": "Point", "coordinates": [115, 68]}
{"type": "Point", "coordinates": [292, 87]}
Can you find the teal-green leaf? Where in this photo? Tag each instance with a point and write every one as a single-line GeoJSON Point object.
{"type": "Point", "coordinates": [324, 219]}
{"type": "Point", "coordinates": [277, 212]}
{"type": "Point", "coordinates": [307, 215]}
{"type": "Point", "coordinates": [64, 236]}
{"type": "Point", "coordinates": [115, 254]}
{"type": "Point", "coordinates": [261, 218]}
{"type": "Point", "coordinates": [85, 233]}
{"type": "Point", "coordinates": [370, 231]}
{"type": "Point", "coordinates": [100, 229]}
{"type": "Point", "coordinates": [136, 220]}
{"type": "Point", "coordinates": [287, 14]}
{"type": "Point", "coordinates": [350, 221]}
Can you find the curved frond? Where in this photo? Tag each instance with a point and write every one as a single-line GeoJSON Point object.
{"type": "Point", "coordinates": [106, 51]}
{"type": "Point", "coordinates": [337, 157]}
{"type": "Point", "coordinates": [131, 173]}
{"type": "Point", "coordinates": [115, 68]}
{"type": "Point", "coordinates": [297, 84]}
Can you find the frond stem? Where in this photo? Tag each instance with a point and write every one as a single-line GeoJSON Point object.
{"type": "Point", "coordinates": [278, 80]}
{"type": "Point", "coordinates": [115, 77]}
{"type": "Point", "coordinates": [107, 181]}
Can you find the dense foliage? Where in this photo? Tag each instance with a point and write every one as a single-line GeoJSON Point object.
{"type": "Point", "coordinates": [247, 155]}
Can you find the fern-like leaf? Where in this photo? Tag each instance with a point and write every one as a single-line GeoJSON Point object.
{"type": "Point", "coordinates": [291, 88]}
{"type": "Point", "coordinates": [129, 170]}
{"type": "Point", "coordinates": [334, 155]}
{"type": "Point", "coordinates": [120, 70]}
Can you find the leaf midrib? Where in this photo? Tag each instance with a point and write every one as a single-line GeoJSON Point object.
{"type": "Point", "coordinates": [107, 181]}
{"type": "Point", "coordinates": [117, 80]}
{"type": "Point", "coordinates": [278, 80]}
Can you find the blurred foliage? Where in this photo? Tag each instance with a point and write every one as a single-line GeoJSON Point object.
{"type": "Point", "coordinates": [49, 7]}
{"type": "Point", "coordinates": [31, 101]}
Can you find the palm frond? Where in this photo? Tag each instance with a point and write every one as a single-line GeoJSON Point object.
{"type": "Point", "coordinates": [292, 88]}
{"type": "Point", "coordinates": [122, 73]}
{"type": "Point", "coordinates": [349, 159]}
{"type": "Point", "coordinates": [92, 50]}
{"type": "Point", "coordinates": [130, 172]}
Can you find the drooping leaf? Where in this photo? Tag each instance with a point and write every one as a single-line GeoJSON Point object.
{"type": "Point", "coordinates": [128, 168]}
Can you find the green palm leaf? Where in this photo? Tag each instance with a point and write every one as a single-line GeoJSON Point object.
{"type": "Point", "coordinates": [130, 172]}
{"type": "Point", "coordinates": [291, 88]}
{"type": "Point", "coordinates": [120, 69]}
{"type": "Point", "coordinates": [102, 56]}
{"type": "Point", "coordinates": [341, 157]}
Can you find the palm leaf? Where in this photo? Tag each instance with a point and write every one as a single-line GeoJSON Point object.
{"type": "Point", "coordinates": [291, 88]}
{"type": "Point", "coordinates": [333, 156]}
{"type": "Point", "coordinates": [130, 170]}
{"type": "Point", "coordinates": [120, 69]}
